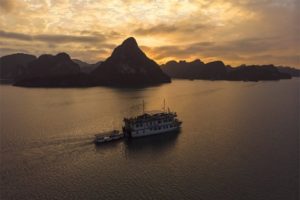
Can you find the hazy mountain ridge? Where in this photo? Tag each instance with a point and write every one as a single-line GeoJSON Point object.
{"type": "Point", "coordinates": [219, 71]}
{"type": "Point", "coordinates": [256, 73]}
{"type": "Point", "coordinates": [86, 67]}
{"type": "Point", "coordinates": [195, 70]}
{"type": "Point", "coordinates": [292, 71]}
{"type": "Point", "coordinates": [128, 65]}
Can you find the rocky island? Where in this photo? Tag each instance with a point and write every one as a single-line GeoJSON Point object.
{"type": "Point", "coordinates": [217, 70]}
{"type": "Point", "coordinates": [52, 71]}
{"type": "Point", "coordinates": [128, 66]}
{"type": "Point", "coordinates": [13, 66]}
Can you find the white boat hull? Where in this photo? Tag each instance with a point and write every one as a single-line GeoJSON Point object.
{"type": "Point", "coordinates": [108, 136]}
{"type": "Point", "coordinates": [151, 124]}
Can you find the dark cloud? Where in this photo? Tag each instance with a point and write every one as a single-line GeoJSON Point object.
{"type": "Point", "coordinates": [170, 29]}
{"type": "Point", "coordinates": [250, 4]}
{"type": "Point", "coordinates": [17, 36]}
{"type": "Point", "coordinates": [89, 47]}
{"type": "Point", "coordinates": [88, 32]}
{"type": "Point", "coordinates": [158, 29]}
{"type": "Point", "coordinates": [291, 60]}
{"type": "Point", "coordinates": [7, 5]}
{"type": "Point", "coordinates": [232, 30]}
{"type": "Point", "coordinates": [68, 38]}
{"type": "Point", "coordinates": [249, 45]}
{"type": "Point", "coordinates": [53, 38]}
{"type": "Point", "coordinates": [6, 51]}
{"type": "Point", "coordinates": [243, 46]}
{"type": "Point", "coordinates": [177, 51]}
{"type": "Point", "coordinates": [247, 50]}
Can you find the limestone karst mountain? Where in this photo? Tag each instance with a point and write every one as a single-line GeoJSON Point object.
{"type": "Point", "coordinates": [129, 65]}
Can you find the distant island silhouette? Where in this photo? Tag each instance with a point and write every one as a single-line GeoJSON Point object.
{"type": "Point", "coordinates": [86, 67]}
{"type": "Point", "coordinates": [217, 70]}
{"type": "Point", "coordinates": [127, 66]}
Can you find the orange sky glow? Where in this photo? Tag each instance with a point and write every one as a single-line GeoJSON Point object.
{"type": "Point", "coordinates": [234, 31]}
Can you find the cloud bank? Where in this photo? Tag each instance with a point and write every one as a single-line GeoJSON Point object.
{"type": "Point", "coordinates": [235, 31]}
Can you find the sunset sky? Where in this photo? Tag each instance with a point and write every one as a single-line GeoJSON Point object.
{"type": "Point", "coordinates": [235, 31]}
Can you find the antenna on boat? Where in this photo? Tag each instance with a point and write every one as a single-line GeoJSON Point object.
{"type": "Point", "coordinates": [143, 106]}
{"type": "Point", "coordinates": [164, 105]}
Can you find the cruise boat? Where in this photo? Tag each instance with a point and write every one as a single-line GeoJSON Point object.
{"type": "Point", "coordinates": [151, 123]}
{"type": "Point", "coordinates": [108, 136]}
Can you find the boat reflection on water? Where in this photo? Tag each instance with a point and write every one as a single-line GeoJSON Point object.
{"type": "Point", "coordinates": [156, 143]}
{"type": "Point", "coordinates": [136, 146]}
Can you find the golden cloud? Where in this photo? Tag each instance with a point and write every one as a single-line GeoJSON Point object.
{"type": "Point", "coordinates": [235, 31]}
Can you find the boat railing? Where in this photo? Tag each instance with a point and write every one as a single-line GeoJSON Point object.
{"type": "Point", "coordinates": [148, 116]}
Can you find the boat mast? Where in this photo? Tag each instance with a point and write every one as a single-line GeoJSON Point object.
{"type": "Point", "coordinates": [164, 105]}
{"type": "Point", "coordinates": [143, 106]}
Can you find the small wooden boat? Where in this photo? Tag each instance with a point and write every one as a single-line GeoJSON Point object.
{"type": "Point", "coordinates": [108, 136]}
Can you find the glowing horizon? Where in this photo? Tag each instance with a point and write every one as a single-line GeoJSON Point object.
{"type": "Point", "coordinates": [234, 31]}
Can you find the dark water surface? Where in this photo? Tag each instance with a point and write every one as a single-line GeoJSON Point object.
{"type": "Point", "coordinates": [239, 140]}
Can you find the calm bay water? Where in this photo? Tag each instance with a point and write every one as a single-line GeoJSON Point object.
{"type": "Point", "coordinates": [239, 140]}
